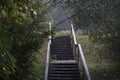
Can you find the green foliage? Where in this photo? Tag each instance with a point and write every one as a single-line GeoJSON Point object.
{"type": "Point", "coordinates": [7, 65]}
{"type": "Point", "coordinates": [100, 19]}
{"type": "Point", "coordinates": [22, 31]}
{"type": "Point", "coordinates": [63, 33]}
{"type": "Point", "coordinates": [100, 63]}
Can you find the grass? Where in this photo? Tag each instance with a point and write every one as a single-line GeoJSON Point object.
{"type": "Point", "coordinates": [38, 69]}
{"type": "Point", "coordinates": [62, 33]}
{"type": "Point", "coordinates": [44, 1]}
{"type": "Point", "coordinates": [100, 63]}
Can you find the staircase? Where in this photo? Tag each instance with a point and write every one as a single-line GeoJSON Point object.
{"type": "Point", "coordinates": [62, 65]}
{"type": "Point", "coordinates": [61, 48]}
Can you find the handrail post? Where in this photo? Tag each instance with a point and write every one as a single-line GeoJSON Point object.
{"type": "Point", "coordinates": [48, 54]}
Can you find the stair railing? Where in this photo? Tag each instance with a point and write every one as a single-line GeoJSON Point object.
{"type": "Point", "coordinates": [48, 54]}
{"type": "Point", "coordinates": [74, 41]}
{"type": "Point", "coordinates": [79, 55]}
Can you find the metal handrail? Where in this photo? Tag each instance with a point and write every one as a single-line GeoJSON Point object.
{"type": "Point", "coordinates": [47, 60]}
{"type": "Point", "coordinates": [81, 54]}
{"type": "Point", "coordinates": [48, 55]}
{"type": "Point", "coordinates": [73, 34]}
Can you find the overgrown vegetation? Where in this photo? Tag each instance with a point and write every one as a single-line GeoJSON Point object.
{"type": "Point", "coordinates": [62, 33]}
{"type": "Point", "coordinates": [38, 64]}
{"type": "Point", "coordinates": [99, 21]}
{"type": "Point", "coordinates": [23, 30]}
{"type": "Point", "coordinates": [101, 64]}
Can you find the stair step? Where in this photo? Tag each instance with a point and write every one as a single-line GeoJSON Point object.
{"type": "Point", "coordinates": [65, 58]}
{"type": "Point", "coordinates": [55, 56]}
{"type": "Point", "coordinates": [57, 40]}
{"type": "Point", "coordinates": [64, 62]}
{"type": "Point", "coordinates": [61, 40]}
{"type": "Point", "coordinates": [62, 51]}
{"type": "Point", "coordinates": [60, 44]}
{"type": "Point", "coordinates": [61, 78]}
{"type": "Point", "coordinates": [64, 69]}
{"type": "Point", "coordinates": [61, 47]}
{"type": "Point", "coordinates": [67, 50]}
{"type": "Point", "coordinates": [62, 57]}
{"type": "Point", "coordinates": [62, 66]}
{"type": "Point", "coordinates": [64, 72]}
{"type": "Point", "coordinates": [64, 75]}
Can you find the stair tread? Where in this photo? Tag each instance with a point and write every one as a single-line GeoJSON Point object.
{"type": "Point", "coordinates": [64, 78]}
{"type": "Point", "coordinates": [64, 72]}
{"type": "Point", "coordinates": [63, 66]}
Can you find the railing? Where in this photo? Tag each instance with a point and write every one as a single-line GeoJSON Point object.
{"type": "Point", "coordinates": [79, 55]}
{"type": "Point", "coordinates": [74, 41]}
{"type": "Point", "coordinates": [73, 35]}
{"type": "Point", "coordinates": [48, 55]}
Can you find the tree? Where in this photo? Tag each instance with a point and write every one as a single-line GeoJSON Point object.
{"type": "Point", "coordinates": [99, 18]}
{"type": "Point", "coordinates": [22, 31]}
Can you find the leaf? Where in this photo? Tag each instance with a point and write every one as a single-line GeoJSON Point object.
{"type": "Point", "coordinates": [25, 8]}
{"type": "Point", "coordinates": [35, 4]}
{"type": "Point", "coordinates": [22, 15]}
{"type": "Point", "coordinates": [15, 7]}
{"type": "Point", "coordinates": [4, 13]}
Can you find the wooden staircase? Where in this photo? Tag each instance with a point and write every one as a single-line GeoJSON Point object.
{"type": "Point", "coordinates": [62, 65]}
